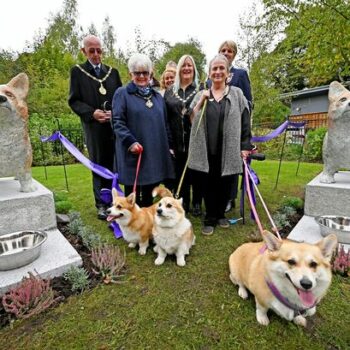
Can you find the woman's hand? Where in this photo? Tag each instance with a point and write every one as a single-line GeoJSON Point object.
{"type": "Point", "coordinates": [245, 154]}
{"type": "Point", "coordinates": [205, 95]}
{"type": "Point", "coordinates": [136, 148]}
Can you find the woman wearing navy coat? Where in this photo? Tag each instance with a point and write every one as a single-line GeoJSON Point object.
{"type": "Point", "coordinates": [140, 125]}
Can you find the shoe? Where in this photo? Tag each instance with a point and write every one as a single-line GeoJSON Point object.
{"type": "Point", "coordinates": [207, 230]}
{"type": "Point", "coordinates": [101, 213]}
{"type": "Point", "coordinates": [224, 223]}
{"type": "Point", "coordinates": [228, 206]}
{"type": "Point", "coordinates": [197, 210]}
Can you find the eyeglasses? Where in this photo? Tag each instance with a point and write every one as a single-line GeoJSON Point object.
{"type": "Point", "coordinates": [93, 50]}
{"type": "Point", "coordinates": [138, 74]}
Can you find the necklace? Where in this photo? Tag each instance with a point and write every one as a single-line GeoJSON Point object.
{"type": "Point", "coordinates": [101, 89]}
{"type": "Point", "coordinates": [187, 98]}
{"type": "Point", "coordinates": [148, 100]}
{"type": "Point", "coordinates": [224, 92]}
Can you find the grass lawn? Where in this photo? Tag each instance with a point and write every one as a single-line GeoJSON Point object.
{"type": "Point", "coordinates": [168, 307]}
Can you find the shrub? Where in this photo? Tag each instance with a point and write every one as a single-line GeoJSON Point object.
{"type": "Point", "coordinates": [314, 142]}
{"type": "Point", "coordinates": [31, 297]}
{"type": "Point", "coordinates": [78, 278]}
{"type": "Point", "coordinates": [108, 262]}
{"type": "Point", "coordinates": [341, 262]}
{"type": "Point", "coordinates": [62, 204]}
{"type": "Point", "coordinates": [293, 202]}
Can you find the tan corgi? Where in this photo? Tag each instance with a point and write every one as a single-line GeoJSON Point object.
{"type": "Point", "coordinates": [288, 277]}
{"type": "Point", "coordinates": [172, 231]}
{"type": "Point", "coordinates": [135, 223]}
{"type": "Point", "coordinates": [15, 147]}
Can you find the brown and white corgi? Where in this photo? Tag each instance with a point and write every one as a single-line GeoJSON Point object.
{"type": "Point", "coordinates": [288, 277]}
{"type": "Point", "coordinates": [172, 231]}
{"type": "Point", "coordinates": [135, 223]}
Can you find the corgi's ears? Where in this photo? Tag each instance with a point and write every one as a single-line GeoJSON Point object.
{"type": "Point", "coordinates": [114, 193]}
{"type": "Point", "coordinates": [20, 83]}
{"type": "Point", "coordinates": [335, 91]}
{"type": "Point", "coordinates": [327, 245]}
{"type": "Point", "coordinates": [131, 198]}
{"type": "Point", "coordinates": [272, 242]}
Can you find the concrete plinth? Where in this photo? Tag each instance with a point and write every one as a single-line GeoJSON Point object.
{"type": "Point", "coordinates": [322, 199]}
{"type": "Point", "coordinates": [25, 211]}
{"type": "Point", "coordinates": [34, 211]}
{"type": "Point", "coordinates": [328, 199]}
{"type": "Point", "coordinates": [57, 256]}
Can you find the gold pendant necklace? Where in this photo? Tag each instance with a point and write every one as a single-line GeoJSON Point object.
{"type": "Point", "coordinates": [102, 90]}
{"type": "Point", "coordinates": [149, 103]}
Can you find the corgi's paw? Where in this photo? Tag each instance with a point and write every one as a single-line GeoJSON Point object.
{"type": "Point", "coordinates": [300, 320]}
{"type": "Point", "coordinates": [311, 311]}
{"type": "Point", "coordinates": [155, 249]}
{"type": "Point", "coordinates": [180, 261]}
{"type": "Point", "coordinates": [262, 318]}
{"type": "Point", "coordinates": [159, 261]}
{"type": "Point", "coordinates": [327, 178]}
{"type": "Point", "coordinates": [132, 245]}
{"type": "Point", "coordinates": [242, 292]}
{"type": "Point", "coordinates": [142, 250]}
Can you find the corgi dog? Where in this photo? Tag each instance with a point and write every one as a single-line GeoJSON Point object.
{"type": "Point", "coordinates": [15, 147]}
{"type": "Point", "coordinates": [288, 277]}
{"type": "Point", "coordinates": [336, 143]}
{"type": "Point", "coordinates": [135, 223]}
{"type": "Point", "coordinates": [172, 231]}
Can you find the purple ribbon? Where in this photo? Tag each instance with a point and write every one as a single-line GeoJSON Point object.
{"type": "Point", "coordinates": [106, 194]}
{"type": "Point", "coordinates": [278, 131]}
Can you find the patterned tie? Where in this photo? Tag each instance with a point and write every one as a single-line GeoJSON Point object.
{"type": "Point", "coordinates": [97, 71]}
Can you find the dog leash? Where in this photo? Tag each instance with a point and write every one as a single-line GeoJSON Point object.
{"type": "Point", "coordinates": [140, 150]}
{"type": "Point", "coordinates": [188, 157]}
{"type": "Point", "coordinates": [248, 175]}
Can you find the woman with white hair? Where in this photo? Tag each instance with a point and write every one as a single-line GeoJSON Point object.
{"type": "Point", "coordinates": [140, 125]}
{"type": "Point", "coordinates": [178, 101]}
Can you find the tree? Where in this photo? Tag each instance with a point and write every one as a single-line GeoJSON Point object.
{"type": "Point", "coordinates": [192, 47]}
{"type": "Point", "coordinates": [108, 37]}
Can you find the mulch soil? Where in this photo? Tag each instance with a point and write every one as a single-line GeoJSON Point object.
{"type": "Point", "coordinates": [62, 287]}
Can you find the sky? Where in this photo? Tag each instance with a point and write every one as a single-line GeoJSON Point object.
{"type": "Point", "coordinates": [174, 21]}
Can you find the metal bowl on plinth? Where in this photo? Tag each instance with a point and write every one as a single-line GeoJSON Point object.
{"type": "Point", "coordinates": [20, 248]}
{"type": "Point", "coordinates": [340, 225]}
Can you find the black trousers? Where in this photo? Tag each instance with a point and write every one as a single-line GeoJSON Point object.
{"type": "Point", "coordinates": [143, 194]}
{"type": "Point", "coordinates": [216, 191]}
{"type": "Point", "coordinates": [100, 144]}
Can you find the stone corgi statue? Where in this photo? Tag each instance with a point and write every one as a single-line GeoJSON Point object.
{"type": "Point", "coordinates": [15, 147]}
{"type": "Point", "coordinates": [336, 144]}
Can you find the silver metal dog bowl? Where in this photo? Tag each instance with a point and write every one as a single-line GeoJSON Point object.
{"type": "Point", "coordinates": [20, 248]}
{"type": "Point", "coordinates": [340, 225]}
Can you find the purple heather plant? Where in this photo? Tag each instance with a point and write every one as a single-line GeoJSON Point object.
{"type": "Point", "coordinates": [32, 296]}
{"type": "Point", "coordinates": [341, 262]}
{"type": "Point", "coordinates": [108, 262]}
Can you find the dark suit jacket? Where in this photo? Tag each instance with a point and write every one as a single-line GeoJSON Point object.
{"type": "Point", "coordinates": [240, 79]}
{"type": "Point", "coordinates": [84, 97]}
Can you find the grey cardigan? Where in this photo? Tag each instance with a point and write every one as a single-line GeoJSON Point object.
{"type": "Point", "coordinates": [236, 135]}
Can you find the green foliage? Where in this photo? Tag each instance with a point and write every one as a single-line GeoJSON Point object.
{"type": "Point", "coordinates": [293, 202]}
{"type": "Point", "coordinates": [88, 236]}
{"type": "Point", "coordinates": [192, 47]}
{"type": "Point", "coordinates": [78, 277]}
{"type": "Point", "coordinates": [62, 204]}
{"type": "Point", "coordinates": [314, 143]}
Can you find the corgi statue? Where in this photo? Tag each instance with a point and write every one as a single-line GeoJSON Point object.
{"type": "Point", "coordinates": [336, 143]}
{"type": "Point", "coordinates": [15, 147]}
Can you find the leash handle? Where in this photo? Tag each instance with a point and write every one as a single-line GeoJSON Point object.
{"type": "Point", "coordinates": [188, 157]}
{"type": "Point", "coordinates": [137, 169]}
